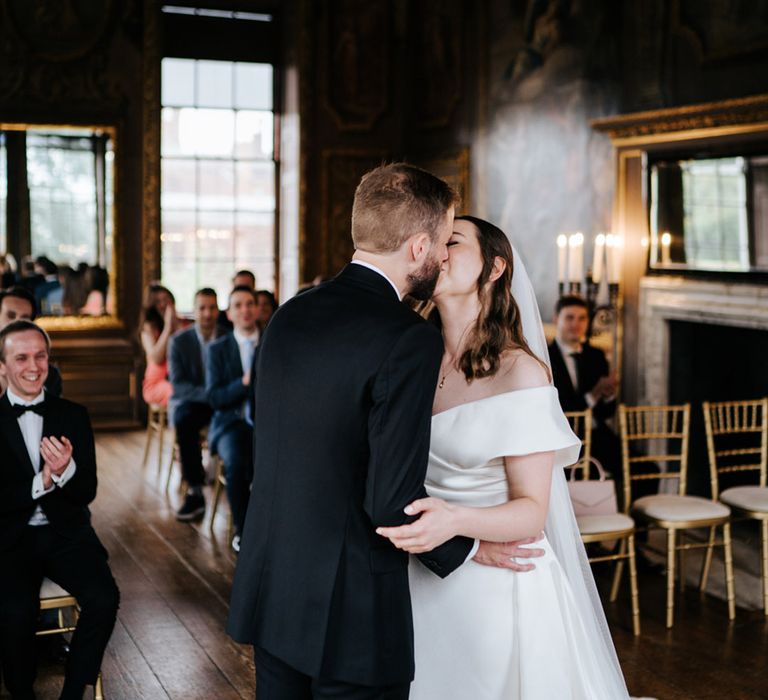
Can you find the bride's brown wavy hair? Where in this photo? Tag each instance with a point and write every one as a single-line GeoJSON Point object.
{"type": "Point", "coordinates": [498, 327]}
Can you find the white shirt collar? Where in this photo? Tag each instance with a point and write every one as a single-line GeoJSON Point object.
{"type": "Point", "coordinates": [381, 272]}
{"type": "Point", "coordinates": [16, 400]}
{"type": "Point", "coordinates": [566, 350]}
{"type": "Point", "coordinates": [240, 338]}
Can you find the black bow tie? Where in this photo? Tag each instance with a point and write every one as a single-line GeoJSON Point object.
{"type": "Point", "coordinates": [19, 410]}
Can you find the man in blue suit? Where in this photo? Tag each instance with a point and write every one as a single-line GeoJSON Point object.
{"type": "Point", "coordinates": [228, 376]}
{"type": "Point", "coordinates": [189, 407]}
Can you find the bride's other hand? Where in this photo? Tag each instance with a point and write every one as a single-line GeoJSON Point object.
{"type": "Point", "coordinates": [436, 525]}
{"type": "Point", "coordinates": [504, 554]}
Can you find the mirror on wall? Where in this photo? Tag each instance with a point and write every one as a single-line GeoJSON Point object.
{"type": "Point", "coordinates": [57, 216]}
{"type": "Point", "coordinates": [709, 213]}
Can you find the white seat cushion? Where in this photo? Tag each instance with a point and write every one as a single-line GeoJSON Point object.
{"type": "Point", "coordinates": [754, 498]}
{"type": "Point", "coordinates": [679, 508]}
{"type": "Point", "coordinates": [595, 524]}
{"type": "Point", "coordinates": [49, 589]}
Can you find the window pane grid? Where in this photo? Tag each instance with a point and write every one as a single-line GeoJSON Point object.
{"type": "Point", "coordinates": [218, 195]}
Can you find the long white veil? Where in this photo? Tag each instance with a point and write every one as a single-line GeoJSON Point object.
{"type": "Point", "coordinates": [561, 529]}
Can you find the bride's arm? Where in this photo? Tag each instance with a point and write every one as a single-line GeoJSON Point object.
{"type": "Point", "coordinates": [522, 516]}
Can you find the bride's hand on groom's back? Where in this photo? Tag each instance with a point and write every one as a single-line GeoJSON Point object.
{"type": "Point", "coordinates": [436, 524]}
{"type": "Point", "coordinates": [504, 554]}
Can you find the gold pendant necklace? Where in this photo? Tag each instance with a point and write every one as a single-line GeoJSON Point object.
{"type": "Point", "coordinates": [448, 371]}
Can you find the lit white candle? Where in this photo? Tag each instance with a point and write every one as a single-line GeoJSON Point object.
{"type": "Point", "coordinates": [575, 257]}
{"type": "Point", "coordinates": [613, 251]}
{"type": "Point", "coordinates": [666, 242]}
{"type": "Point", "coordinates": [598, 257]}
{"type": "Point", "coordinates": [562, 256]}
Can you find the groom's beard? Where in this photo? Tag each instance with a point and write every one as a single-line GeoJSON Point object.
{"type": "Point", "coordinates": [423, 281]}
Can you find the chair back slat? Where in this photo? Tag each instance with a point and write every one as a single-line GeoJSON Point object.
{"type": "Point", "coordinates": [581, 424]}
{"type": "Point", "coordinates": [726, 419]}
{"type": "Point", "coordinates": [657, 434]}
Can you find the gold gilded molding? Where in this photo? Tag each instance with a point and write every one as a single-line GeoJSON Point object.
{"type": "Point", "coordinates": [79, 323]}
{"type": "Point", "coordinates": [150, 218]}
{"type": "Point", "coordinates": [741, 115]}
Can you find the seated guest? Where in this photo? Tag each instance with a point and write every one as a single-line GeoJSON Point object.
{"type": "Point", "coordinates": [189, 407]}
{"type": "Point", "coordinates": [266, 305]}
{"type": "Point", "coordinates": [157, 324]}
{"type": "Point", "coordinates": [228, 382]}
{"type": "Point", "coordinates": [48, 293]}
{"type": "Point", "coordinates": [74, 288]}
{"type": "Point", "coordinates": [17, 304]}
{"type": "Point", "coordinates": [244, 278]}
{"type": "Point", "coordinates": [7, 270]}
{"type": "Point", "coordinates": [48, 472]}
{"type": "Point", "coordinates": [97, 302]}
{"type": "Point", "coordinates": [582, 377]}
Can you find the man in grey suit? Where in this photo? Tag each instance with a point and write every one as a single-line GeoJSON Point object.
{"type": "Point", "coordinates": [228, 375]}
{"type": "Point", "coordinates": [189, 407]}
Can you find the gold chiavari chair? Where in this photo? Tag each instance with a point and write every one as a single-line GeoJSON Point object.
{"type": "Point", "coordinates": [175, 457]}
{"type": "Point", "coordinates": [157, 422]}
{"type": "Point", "coordinates": [581, 424]}
{"type": "Point", "coordinates": [54, 597]}
{"type": "Point", "coordinates": [661, 435]}
{"type": "Point", "coordinates": [610, 527]}
{"type": "Point", "coordinates": [219, 484]}
{"type": "Point", "coordinates": [746, 422]}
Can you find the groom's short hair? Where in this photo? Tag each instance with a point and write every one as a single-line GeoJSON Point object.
{"type": "Point", "coordinates": [395, 201]}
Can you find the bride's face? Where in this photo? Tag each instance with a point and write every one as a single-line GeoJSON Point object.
{"type": "Point", "coordinates": [460, 272]}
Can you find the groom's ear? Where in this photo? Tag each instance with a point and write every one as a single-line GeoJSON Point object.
{"type": "Point", "coordinates": [418, 246]}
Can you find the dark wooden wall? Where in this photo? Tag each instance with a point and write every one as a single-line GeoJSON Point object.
{"type": "Point", "coordinates": [382, 81]}
{"type": "Point", "coordinates": [494, 95]}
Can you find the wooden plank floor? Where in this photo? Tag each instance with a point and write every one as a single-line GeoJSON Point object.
{"type": "Point", "coordinates": [175, 578]}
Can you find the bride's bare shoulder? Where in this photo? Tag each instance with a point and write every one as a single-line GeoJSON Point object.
{"type": "Point", "coordinates": [518, 370]}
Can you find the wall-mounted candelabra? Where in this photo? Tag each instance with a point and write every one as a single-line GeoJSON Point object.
{"type": "Point", "coordinates": [598, 283]}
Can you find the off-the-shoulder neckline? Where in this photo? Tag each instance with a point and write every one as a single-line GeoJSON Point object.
{"type": "Point", "coordinates": [492, 396]}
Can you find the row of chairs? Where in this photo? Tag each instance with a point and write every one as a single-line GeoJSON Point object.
{"type": "Point", "coordinates": [157, 424]}
{"type": "Point", "coordinates": [660, 435]}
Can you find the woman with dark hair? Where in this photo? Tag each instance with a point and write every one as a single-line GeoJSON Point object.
{"type": "Point", "coordinates": [266, 305]}
{"type": "Point", "coordinates": [499, 443]}
{"type": "Point", "coordinates": [158, 322]}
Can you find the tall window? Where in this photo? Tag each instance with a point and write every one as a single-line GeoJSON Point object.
{"type": "Point", "coordinates": [218, 175]}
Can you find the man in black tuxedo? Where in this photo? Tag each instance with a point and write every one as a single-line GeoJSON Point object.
{"type": "Point", "coordinates": [345, 382]}
{"type": "Point", "coordinates": [228, 373]}
{"type": "Point", "coordinates": [18, 303]}
{"type": "Point", "coordinates": [48, 476]}
{"type": "Point", "coordinates": [582, 377]}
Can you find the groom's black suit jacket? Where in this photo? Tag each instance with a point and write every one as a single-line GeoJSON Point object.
{"type": "Point", "coordinates": [344, 390]}
{"type": "Point", "coordinates": [66, 508]}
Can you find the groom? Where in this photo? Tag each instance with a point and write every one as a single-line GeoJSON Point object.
{"type": "Point", "coordinates": [346, 380]}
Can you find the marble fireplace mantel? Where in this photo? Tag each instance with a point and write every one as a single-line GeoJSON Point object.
{"type": "Point", "coordinates": [664, 299]}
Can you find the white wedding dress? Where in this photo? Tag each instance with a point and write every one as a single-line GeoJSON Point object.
{"type": "Point", "coordinates": [486, 633]}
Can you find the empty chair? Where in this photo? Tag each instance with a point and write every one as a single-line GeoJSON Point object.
{"type": "Point", "coordinates": [660, 434]}
{"type": "Point", "coordinates": [737, 442]}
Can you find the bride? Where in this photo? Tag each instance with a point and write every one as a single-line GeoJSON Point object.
{"type": "Point", "coordinates": [499, 445]}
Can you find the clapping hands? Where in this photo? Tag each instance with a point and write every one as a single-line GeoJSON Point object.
{"type": "Point", "coordinates": [605, 388]}
{"type": "Point", "coordinates": [56, 454]}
